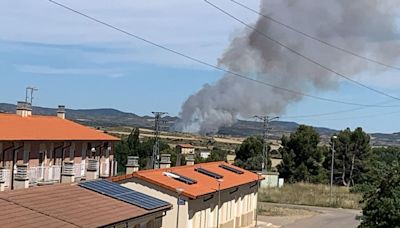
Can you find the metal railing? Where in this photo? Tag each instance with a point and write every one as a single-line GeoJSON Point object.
{"type": "Point", "coordinates": [44, 173]}
{"type": "Point", "coordinates": [6, 177]}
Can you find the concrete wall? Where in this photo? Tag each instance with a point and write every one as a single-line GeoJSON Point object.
{"type": "Point", "coordinates": [237, 206]}
{"type": "Point", "coordinates": [169, 221]}
{"type": "Point", "coordinates": [271, 180]}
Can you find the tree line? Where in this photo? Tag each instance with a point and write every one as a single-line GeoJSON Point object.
{"type": "Point", "coordinates": [374, 172]}
{"type": "Point", "coordinates": [132, 145]}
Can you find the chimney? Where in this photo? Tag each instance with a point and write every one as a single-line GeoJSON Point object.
{"type": "Point", "coordinates": [132, 164]}
{"type": "Point", "coordinates": [61, 112]}
{"type": "Point", "coordinates": [24, 109]}
{"type": "Point", "coordinates": [165, 161]}
{"type": "Point", "coordinates": [21, 179]}
{"type": "Point", "coordinates": [190, 159]}
{"type": "Point", "coordinates": [92, 168]}
{"type": "Point", "coordinates": [68, 172]}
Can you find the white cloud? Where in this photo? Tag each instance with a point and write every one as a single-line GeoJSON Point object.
{"type": "Point", "coordinates": [48, 70]}
{"type": "Point", "coordinates": [190, 26]}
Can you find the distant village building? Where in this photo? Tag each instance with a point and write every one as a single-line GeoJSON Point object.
{"type": "Point", "coordinates": [205, 154]}
{"type": "Point", "coordinates": [184, 151]}
{"type": "Point", "coordinates": [50, 149]}
{"type": "Point", "coordinates": [202, 195]}
{"type": "Point", "coordinates": [230, 158]}
{"type": "Point", "coordinates": [72, 205]}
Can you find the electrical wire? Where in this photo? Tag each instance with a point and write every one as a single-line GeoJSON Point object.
{"type": "Point", "coordinates": [331, 113]}
{"type": "Point", "coordinates": [211, 65]}
{"type": "Point", "coordinates": [316, 38]}
{"type": "Point", "coordinates": [300, 54]}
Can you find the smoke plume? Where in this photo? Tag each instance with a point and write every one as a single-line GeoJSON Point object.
{"type": "Point", "coordinates": [368, 28]}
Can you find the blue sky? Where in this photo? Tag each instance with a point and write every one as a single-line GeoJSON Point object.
{"type": "Point", "coordinates": [84, 65]}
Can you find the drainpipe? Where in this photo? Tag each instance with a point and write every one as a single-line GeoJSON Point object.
{"type": "Point", "coordinates": [4, 155]}
{"type": "Point", "coordinates": [54, 153]}
{"type": "Point", "coordinates": [62, 158]}
{"type": "Point", "coordinates": [13, 164]}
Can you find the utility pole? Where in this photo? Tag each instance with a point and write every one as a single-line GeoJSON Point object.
{"type": "Point", "coordinates": [266, 120]}
{"type": "Point", "coordinates": [31, 89]}
{"type": "Point", "coordinates": [156, 148]}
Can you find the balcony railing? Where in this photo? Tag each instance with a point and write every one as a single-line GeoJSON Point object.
{"type": "Point", "coordinates": [44, 174]}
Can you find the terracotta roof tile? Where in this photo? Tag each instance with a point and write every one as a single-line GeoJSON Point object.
{"type": "Point", "coordinates": [14, 127]}
{"type": "Point", "coordinates": [64, 205]}
{"type": "Point", "coordinates": [185, 145]}
{"type": "Point", "coordinates": [205, 184]}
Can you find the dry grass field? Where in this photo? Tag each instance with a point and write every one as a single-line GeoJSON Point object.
{"type": "Point", "coordinates": [311, 194]}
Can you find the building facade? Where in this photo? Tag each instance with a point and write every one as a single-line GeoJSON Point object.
{"type": "Point", "coordinates": [185, 149]}
{"type": "Point", "coordinates": [42, 148]}
{"type": "Point", "coordinates": [229, 198]}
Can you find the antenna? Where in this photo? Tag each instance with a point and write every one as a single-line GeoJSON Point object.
{"type": "Point", "coordinates": [32, 89]}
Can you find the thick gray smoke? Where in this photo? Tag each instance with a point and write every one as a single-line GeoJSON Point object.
{"type": "Point", "coordinates": [367, 27]}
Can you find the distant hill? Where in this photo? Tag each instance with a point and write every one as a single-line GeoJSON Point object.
{"type": "Point", "coordinates": [107, 117]}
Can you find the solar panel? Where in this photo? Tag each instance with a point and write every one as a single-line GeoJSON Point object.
{"type": "Point", "coordinates": [124, 194]}
{"type": "Point", "coordinates": [209, 173]}
{"type": "Point", "coordinates": [231, 169]}
{"type": "Point", "coordinates": [184, 179]}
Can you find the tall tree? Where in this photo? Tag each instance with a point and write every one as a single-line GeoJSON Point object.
{"type": "Point", "coordinates": [382, 200]}
{"type": "Point", "coordinates": [133, 140]}
{"type": "Point", "coordinates": [352, 150]}
{"type": "Point", "coordinates": [249, 154]}
{"type": "Point", "coordinates": [302, 158]}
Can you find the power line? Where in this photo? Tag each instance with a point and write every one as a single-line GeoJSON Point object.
{"type": "Point", "coordinates": [360, 117]}
{"type": "Point", "coordinates": [316, 38]}
{"type": "Point", "coordinates": [300, 54]}
{"type": "Point", "coordinates": [334, 112]}
{"type": "Point", "coordinates": [211, 65]}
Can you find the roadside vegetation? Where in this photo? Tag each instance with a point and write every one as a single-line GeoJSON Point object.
{"type": "Point", "coordinates": [312, 195]}
{"type": "Point", "coordinates": [278, 210]}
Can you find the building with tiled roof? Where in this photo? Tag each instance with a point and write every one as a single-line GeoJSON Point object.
{"type": "Point", "coordinates": [69, 205]}
{"type": "Point", "coordinates": [208, 193]}
{"type": "Point", "coordinates": [39, 149]}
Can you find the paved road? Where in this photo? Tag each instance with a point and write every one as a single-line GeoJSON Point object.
{"type": "Point", "coordinates": [329, 218]}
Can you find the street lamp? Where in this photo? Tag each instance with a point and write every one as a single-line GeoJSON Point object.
{"type": "Point", "coordinates": [219, 199]}
{"type": "Point", "coordinates": [333, 160]}
{"type": "Point", "coordinates": [93, 150]}
{"type": "Point", "coordinates": [179, 191]}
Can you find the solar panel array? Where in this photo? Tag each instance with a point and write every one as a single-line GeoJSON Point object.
{"type": "Point", "coordinates": [184, 179]}
{"type": "Point", "coordinates": [229, 168]}
{"type": "Point", "coordinates": [209, 173]}
{"type": "Point", "coordinates": [124, 194]}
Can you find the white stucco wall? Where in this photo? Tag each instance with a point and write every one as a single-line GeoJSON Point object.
{"type": "Point", "coordinates": [237, 205]}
